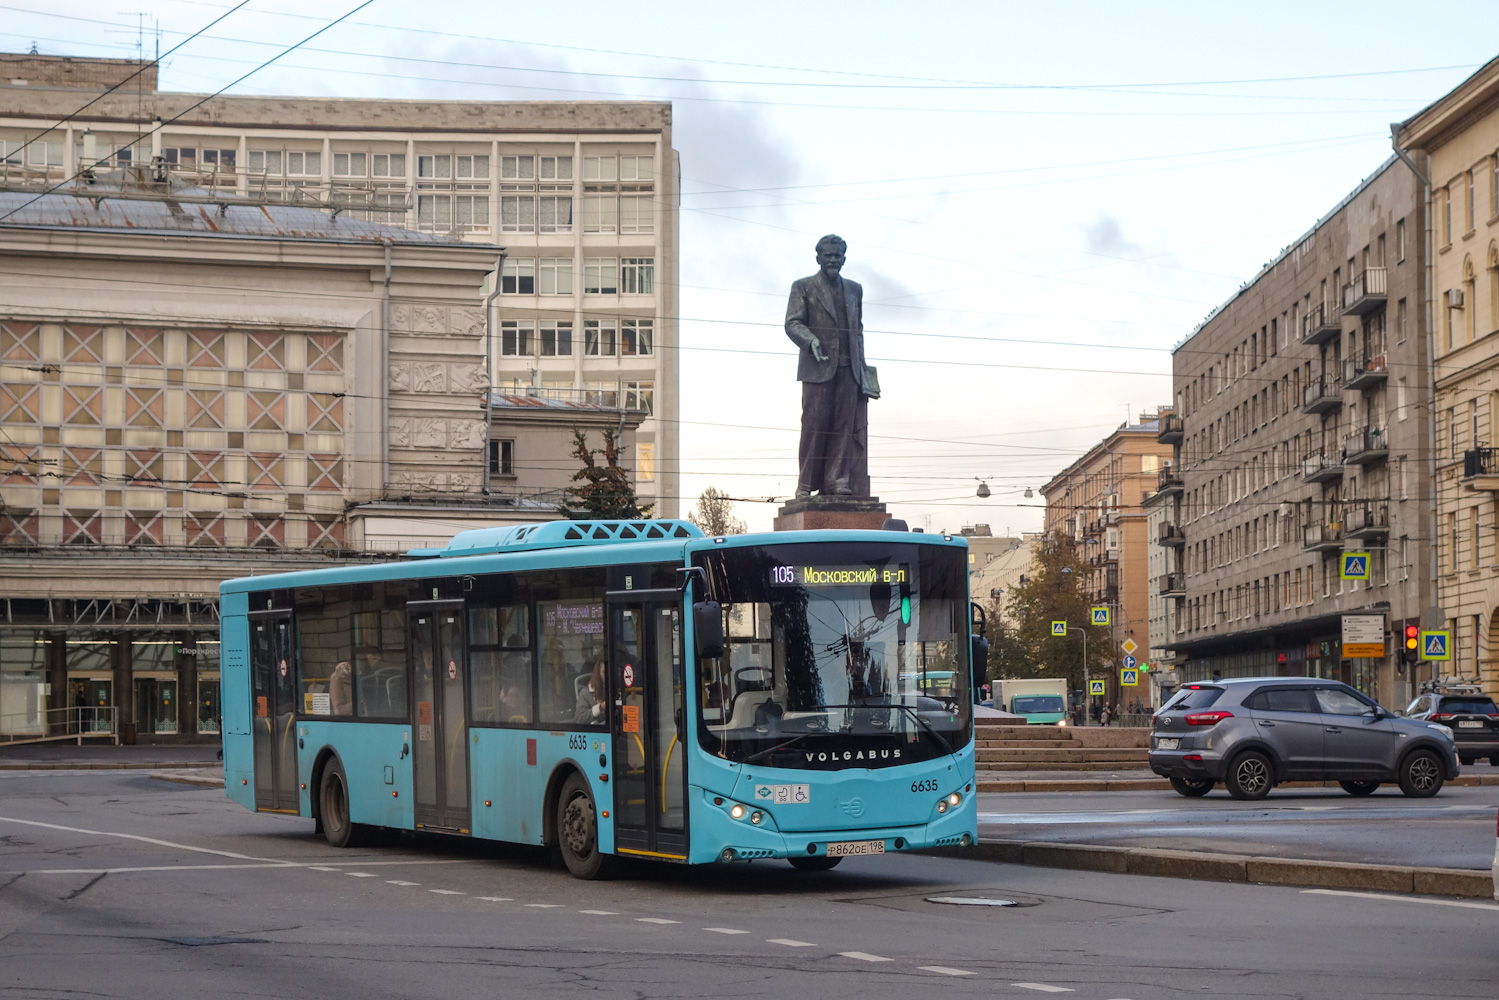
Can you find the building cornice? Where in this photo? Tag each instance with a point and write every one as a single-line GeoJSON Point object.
{"type": "Point", "coordinates": [1440, 121]}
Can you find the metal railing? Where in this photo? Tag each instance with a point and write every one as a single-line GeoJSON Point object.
{"type": "Point", "coordinates": [1366, 290]}
{"type": "Point", "coordinates": [76, 722]}
{"type": "Point", "coordinates": [1480, 462]}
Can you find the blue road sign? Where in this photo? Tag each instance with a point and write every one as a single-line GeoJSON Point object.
{"type": "Point", "coordinates": [1100, 616]}
{"type": "Point", "coordinates": [1129, 678]}
{"type": "Point", "coordinates": [1095, 687]}
{"type": "Point", "coordinates": [1129, 662]}
{"type": "Point", "coordinates": [1355, 566]}
{"type": "Point", "coordinates": [1436, 645]}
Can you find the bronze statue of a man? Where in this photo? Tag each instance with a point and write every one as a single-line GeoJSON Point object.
{"type": "Point", "coordinates": [825, 319]}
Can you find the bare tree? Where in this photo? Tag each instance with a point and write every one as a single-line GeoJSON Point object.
{"type": "Point", "coordinates": [715, 514]}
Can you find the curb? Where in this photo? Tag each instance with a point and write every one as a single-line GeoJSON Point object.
{"type": "Point", "coordinates": [1159, 784]}
{"type": "Point", "coordinates": [182, 778]}
{"type": "Point", "coordinates": [26, 765]}
{"type": "Point", "coordinates": [1459, 882]}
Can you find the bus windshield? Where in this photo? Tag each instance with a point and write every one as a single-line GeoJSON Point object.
{"type": "Point", "coordinates": [837, 655]}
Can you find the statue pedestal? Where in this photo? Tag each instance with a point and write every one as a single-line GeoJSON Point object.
{"type": "Point", "coordinates": [812, 513]}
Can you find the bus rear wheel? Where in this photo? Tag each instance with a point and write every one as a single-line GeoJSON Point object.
{"type": "Point", "coordinates": [578, 831]}
{"type": "Point", "coordinates": [333, 808]}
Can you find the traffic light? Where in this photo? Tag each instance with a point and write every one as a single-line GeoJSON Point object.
{"type": "Point", "coordinates": [1412, 650]}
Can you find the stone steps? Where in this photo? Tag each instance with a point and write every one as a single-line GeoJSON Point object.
{"type": "Point", "coordinates": [1045, 757]}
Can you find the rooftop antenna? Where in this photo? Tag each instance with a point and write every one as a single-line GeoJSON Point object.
{"type": "Point", "coordinates": [33, 49]}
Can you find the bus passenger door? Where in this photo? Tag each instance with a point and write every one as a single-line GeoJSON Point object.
{"type": "Point", "coordinates": [440, 745]}
{"type": "Point", "coordinates": [650, 773]}
{"type": "Point", "coordinates": [273, 712]}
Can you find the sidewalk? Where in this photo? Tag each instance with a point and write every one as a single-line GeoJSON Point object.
{"type": "Point", "coordinates": [104, 756]}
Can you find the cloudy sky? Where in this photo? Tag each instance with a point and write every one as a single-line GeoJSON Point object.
{"type": "Point", "coordinates": [1041, 199]}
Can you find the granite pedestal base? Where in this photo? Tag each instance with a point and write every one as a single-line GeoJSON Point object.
{"type": "Point", "coordinates": [847, 513]}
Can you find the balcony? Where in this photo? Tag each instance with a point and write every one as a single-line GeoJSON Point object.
{"type": "Point", "coordinates": [1319, 468]}
{"type": "Point", "coordinates": [1365, 372]}
{"type": "Point", "coordinates": [1171, 430]}
{"type": "Point", "coordinates": [1365, 446]}
{"type": "Point", "coordinates": [1365, 293]}
{"type": "Point", "coordinates": [1323, 537]}
{"type": "Point", "coordinates": [1171, 535]}
{"type": "Point", "coordinates": [1173, 585]}
{"type": "Point", "coordinates": [1321, 396]}
{"type": "Point", "coordinates": [1320, 325]}
{"type": "Point", "coordinates": [1481, 469]}
{"type": "Point", "coordinates": [1368, 522]}
{"type": "Point", "coordinates": [1168, 482]}
{"type": "Point", "coordinates": [1108, 557]}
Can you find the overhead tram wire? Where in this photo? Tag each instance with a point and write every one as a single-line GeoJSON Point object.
{"type": "Point", "coordinates": [154, 62]}
{"type": "Point", "coordinates": [163, 124]}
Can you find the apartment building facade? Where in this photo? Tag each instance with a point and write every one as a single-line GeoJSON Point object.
{"type": "Point", "coordinates": [1098, 502]}
{"type": "Point", "coordinates": [1301, 423]}
{"type": "Point", "coordinates": [583, 196]}
{"type": "Point", "coordinates": [1455, 143]}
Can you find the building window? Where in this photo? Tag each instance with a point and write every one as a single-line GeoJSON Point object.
{"type": "Point", "coordinates": [1446, 210]}
{"type": "Point", "coordinates": [639, 274]}
{"type": "Point", "coordinates": [600, 276]}
{"type": "Point", "coordinates": [516, 339]}
{"type": "Point", "coordinates": [556, 168]}
{"type": "Point", "coordinates": [518, 277]}
{"type": "Point", "coordinates": [636, 168]}
{"type": "Point", "coordinates": [1150, 463]}
{"type": "Point", "coordinates": [554, 213]}
{"type": "Point", "coordinates": [1473, 559]}
{"type": "Point", "coordinates": [350, 165]}
{"type": "Point", "coordinates": [598, 338]}
{"type": "Point", "coordinates": [601, 393]}
{"type": "Point", "coordinates": [388, 165]}
{"type": "Point", "coordinates": [555, 276]}
{"type": "Point", "coordinates": [502, 458]}
{"type": "Point", "coordinates": [636, 337]}
{"type": "Point", "coordinates": [638, 395]}
{"type": "Point", "coordinates": [645, 460]}
{"type": "Point", "coordinates": [1468, 202]}
{"type": "Point", "coordinates": [600, 213]}
{"type": "Point", "coordinates": [556, 338]}
{"type": "Point", "coordinates": [517, 213]}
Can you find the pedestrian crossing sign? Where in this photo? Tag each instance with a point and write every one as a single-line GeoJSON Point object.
{"type": "Point", "coordinates": [1436, 645]}
{"type": "Point", "coordinates": [1129, 678]}
{"type": "Point", "coordinates": [1355, 566]}
{"type": "Point", "coordinates": [1095, 687]}
{"type": "Point", "coordinates": [1100, 616]}
{"type": "Point", "coordinates": [1058, 628]}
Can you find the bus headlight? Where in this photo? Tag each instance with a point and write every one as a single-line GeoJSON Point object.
{"type": "Point", "coordinates": [756, 817]}
{"type": "Point", "coordinates": [942, 806]}
{"type": "Point", "coordinates": [955, 799]}
{"type": "Point", "coordinates": [737, 811]}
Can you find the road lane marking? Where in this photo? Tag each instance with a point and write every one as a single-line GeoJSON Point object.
{"type": "Point", "coordinates": [724, 930]}
{"type": "Point", "coordinates": [1405, 899]}
{"type": "Point", "coordinates": [544, 906]}
{"type": "Point", "coordinates": [864, 956]}
{"type": "Point", "coordinates": [657, 920]}
{"type": "Point", "coordinates": [396, 881]}
{"type": "Point", "coordinates": [790, 942]}
{"type": "Point", "coordinates": [448, 892]}
{"type": "Point", "coordinates": [361, 874]}
{"type": "Point", "coordinates": [148, 840]}
{"type": "Point", "coordinates": [1043, 987]}
{"type": "Point", "coordinates": [494, 899]}
{"type": "Point", "coordinates": [945, 971]}
{"type": "Point", "coordinates": [322, 868]}
{"type": "Point", "coordinates": [601, 913]}
{"type": "Point", "coordinates": [146, 868]}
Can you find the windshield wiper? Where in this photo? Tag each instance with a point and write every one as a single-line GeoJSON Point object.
{"type": "Point", "coordinates": [893, 704]}
{"type": "Point", "coordinates": [770, 750]}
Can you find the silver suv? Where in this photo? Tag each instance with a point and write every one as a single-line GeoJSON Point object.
{"type": "Point", "coordinates": [1253, 733]}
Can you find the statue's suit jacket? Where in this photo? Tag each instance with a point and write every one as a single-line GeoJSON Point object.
{"type": "Point", "coordinates": [812, 313]}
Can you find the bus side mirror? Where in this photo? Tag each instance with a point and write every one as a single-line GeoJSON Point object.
{"type": "Point", "coordinates": [979, 658]}
{"type": "Point", "coordinates": [707, 627]}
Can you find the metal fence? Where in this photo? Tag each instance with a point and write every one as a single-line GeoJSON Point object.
{"type": "Point", "coordinates": [76, 722]}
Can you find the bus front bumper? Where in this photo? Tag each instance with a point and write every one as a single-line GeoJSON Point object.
{"type": "Point", "coordinates": [717, 837]}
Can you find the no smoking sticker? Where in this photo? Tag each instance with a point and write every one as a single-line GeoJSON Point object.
{"type": "Point", "coordinates": [452, 670]}
{"type": "Point", "coordinates": [629, 675]}
{"type": "Point", "coordinates": [283, 668]}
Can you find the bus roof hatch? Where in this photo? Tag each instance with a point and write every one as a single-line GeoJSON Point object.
{"type": "Point", "coordinates": [557, 535]}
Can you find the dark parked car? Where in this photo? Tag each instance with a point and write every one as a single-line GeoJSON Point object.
{"type": "Point", "coordinates": [1472, 717]}
{"type": "Point", "coordinates": [1254, 733]}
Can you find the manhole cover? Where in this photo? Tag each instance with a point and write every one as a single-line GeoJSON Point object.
{"type": "Point", "coordinates": [971, 901]}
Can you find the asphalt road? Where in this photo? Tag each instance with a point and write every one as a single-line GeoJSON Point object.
{"type": "Point", "coordinates": [1455, 829]}
{"type": "Point", "coordinates": [115, 885]}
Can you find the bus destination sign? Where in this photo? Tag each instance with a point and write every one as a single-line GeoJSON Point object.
{"type": "Point", "coordinates": [835, 576]}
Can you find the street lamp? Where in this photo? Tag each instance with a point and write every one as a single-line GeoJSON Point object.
{"type": "Point", "coordinates": [983, 489]}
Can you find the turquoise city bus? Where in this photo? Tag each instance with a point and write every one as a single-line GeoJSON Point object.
{"type": "Point", "coordinates": [616, 688]}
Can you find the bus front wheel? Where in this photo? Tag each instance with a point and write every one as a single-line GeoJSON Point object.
{"type": "Point", "coordinates": [333, 807]}
{"type": "Point", "coordinates": [578, 831]}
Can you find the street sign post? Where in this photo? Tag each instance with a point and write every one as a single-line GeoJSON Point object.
{"type": "Point", "coordinates": [1129, 678]}
{"type": "Point", "coordinates": [1058, 628]}
{"type": "Point", "coordinates": [1355, 567]}
{"type": "Point", "coordinates": [1100, 616]}
{"type": "Point", "coordinates": [1436, 645]}
{"type": "Point", "coordinates": [1363, 636]}
{"type": "Point", "coordinates": [1095, 687]}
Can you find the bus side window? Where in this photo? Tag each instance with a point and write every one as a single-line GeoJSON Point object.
{"type": "Point", "coordinates": [325, 672]}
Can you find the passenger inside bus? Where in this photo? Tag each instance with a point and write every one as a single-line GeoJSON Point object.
{"type": "Point", "coordinates": [590, 695]}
